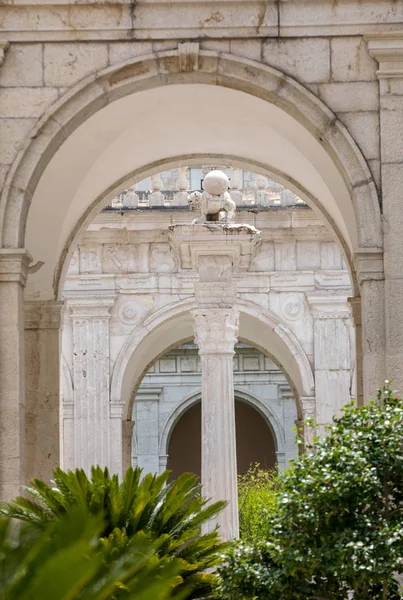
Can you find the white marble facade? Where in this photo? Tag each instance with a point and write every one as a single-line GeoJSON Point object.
{"type": "Point", "coordinates": [125, 285]}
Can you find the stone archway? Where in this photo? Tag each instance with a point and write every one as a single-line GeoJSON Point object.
{"type": "Point", "coordinates": [171, 326]}
{"type": "Point", "coordinates": [317, 153]}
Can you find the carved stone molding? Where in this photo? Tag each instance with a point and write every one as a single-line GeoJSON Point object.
{"type": "Point", "coordinates": [216, 330]}
{"type": "Point", "coordinates": [14, 264]}
{"type": "Point", "coordinates": [4, 45]}
{"type": "Point", "coordinates": [188, 56]}
{"type": "Point", "coordinates": [329, 307]}
{"type": "Point", "coordinates": [42, 315]}
{"type": "Point", "coordinates": [387, 49]}
{"type": "Point", "coordinates": [90, 307]}
{"type": "Point", "coordinates": [369, 265]}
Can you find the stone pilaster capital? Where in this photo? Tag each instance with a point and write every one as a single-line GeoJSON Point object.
{"type": "Point", "coordinates": [329, 306]}
{"type": "Point", "coordinates": [216, 330]}
{"type": "Point", "coordinates": [4, 46]}
{"type": "Point", "coordinates": [14, 265]}
{"type": "Point", "coordinates": [90, 307]}
{"type": "Point", "coordinates": [369, 264]}
{"type": "Point", "coordinates": [387, 48]}
{"type": "Point", "coordinates": [355, 304]}
{"type": "Point", "coordinates": [116, 411]}
{"type": "Point", "coordinates": [42, 315]}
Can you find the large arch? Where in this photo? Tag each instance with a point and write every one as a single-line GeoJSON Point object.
{"type": "Point", "coordinates": [117, 123]}
{"type": "Point", "coordinates": [172, 325]}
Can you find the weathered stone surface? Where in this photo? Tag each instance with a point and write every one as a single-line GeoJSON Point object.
{"type": "Point", "coordinates": [23, 66]}
{"type": "Point", "coordinates": [350, 97]}
{"type": "Point", "coordinates": [307, 60]}
{"type": "Point", "coordinates": [350, 60]}
{"type": "Point", "coordinates": [12, 134]}
{"type": "Point", "coordinates": [24, 103]}
{"type": "Point", "coordinates": [66, 64]}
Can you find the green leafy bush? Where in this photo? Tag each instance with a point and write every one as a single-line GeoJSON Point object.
{"type": "Point", "coordinates": [338, 528]}
{"type": "Point", "coordinates": [171, 513]}
{"type": "Point", "coordinates": [64, 561]}
{"type": "Point", "coordinates": [257, 495]}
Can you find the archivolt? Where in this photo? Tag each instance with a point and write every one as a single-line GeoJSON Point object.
{"type": "Point", "coordinates": [151, 71]}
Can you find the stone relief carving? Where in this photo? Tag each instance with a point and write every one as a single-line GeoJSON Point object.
{"type": "Point", "coordinates": [293, 308]}
{"type": "Point", "coordinates": [120, 258]}
{"type": "Point", "coordinates": [90, 259]}
{"type": "Point", "coordinates": [264, 260]}
{"type": "Point", "coordinates": [129, 310]}
{"type": "Point", "coordinates": [162, 259]}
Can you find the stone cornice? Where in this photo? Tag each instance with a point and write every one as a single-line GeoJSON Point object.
{"type": "Point", "coordinates": [329, 306]}
{"type": "Point", "coordinates": [90, 307]}
{"type": "Point", "coordinates": [387, 49]}
{"type": "Point", "coordinates": [64, 20]}
{"type": "Point", "coordinates": [14, 264]}
{"type": "Point", "coordinates": [4, 45]}
{"type": "Point", "coordinates": [42, 315]}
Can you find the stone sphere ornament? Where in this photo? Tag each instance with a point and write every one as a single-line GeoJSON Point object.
{"type": "Point", "coordinates": [215, 183]}
{"type": "Point", "coordinates": [215, 203]}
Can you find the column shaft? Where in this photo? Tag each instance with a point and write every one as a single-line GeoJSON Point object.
{"type": "Point", "coordinates": [216, 331]}
{"type": "Point", "coordinates": [219, 468]}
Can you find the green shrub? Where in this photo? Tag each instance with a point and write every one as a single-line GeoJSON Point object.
{"type": "Point", "coordinates": [63, 561]}
{"type": "Point", "coordinates": [257, 495]}
{"type": "Point", "coordinates": [337, 531]}
{"type": "Point", "coordinates": [171, 513]}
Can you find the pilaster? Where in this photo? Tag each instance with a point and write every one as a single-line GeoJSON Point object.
{"type": "Point", "coordinates": [95, 440]}
{"type": "Point", "coordinates": [42, 379]}
{"type": "Point", "coordinates": [14, 265]}
{"type": "Point", "coordinates": [332, 355]}
{"type": "Point", "coordinates": [146, 410]}
{"type": "Point", "coordinates": [387, 49]}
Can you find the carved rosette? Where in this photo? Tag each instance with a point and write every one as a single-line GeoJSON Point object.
{"type": "Point", "coordinates": [216, 330]}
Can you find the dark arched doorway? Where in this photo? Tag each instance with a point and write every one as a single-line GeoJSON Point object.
{"type": "Point", "coordinates": [254, 441]}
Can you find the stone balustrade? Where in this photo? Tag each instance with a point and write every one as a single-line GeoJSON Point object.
{"type": "Point", "coordinates": [169, 189]}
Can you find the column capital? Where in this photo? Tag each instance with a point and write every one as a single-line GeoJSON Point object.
{"type": "Point", "coordinates": [42, 315]}
{"type": "Point", "coordinates": [14, 264]}
{"type": "Point", "coordinates": [90, 307]}
{"type": "Point", "coordinates": [216, 330]}
{"type": "Point", "coordinates": [387, 49]}
{"type": "Point", "coordinates": [329, 307]}
{"type": "Point", "coordinates": [369, 264]}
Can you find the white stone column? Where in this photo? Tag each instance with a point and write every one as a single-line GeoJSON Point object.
{"type": "Point", "coordinates": [13, 275]}
{"type": "Point", "coordinates": [216, 332]}
{"type": "Point", "coordinates": [332, 355]}
{"type": "Point", "coordinates": [94, 435]}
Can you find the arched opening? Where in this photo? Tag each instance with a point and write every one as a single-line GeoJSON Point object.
{"type": "Point", "coordinates": [167, 412]}
{"type": "Point", "coordinates": [254, 441]}
{"type": "Point", "coordinates": [84, 149]}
